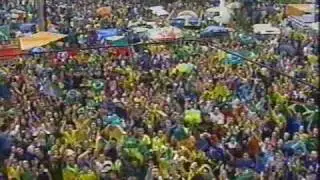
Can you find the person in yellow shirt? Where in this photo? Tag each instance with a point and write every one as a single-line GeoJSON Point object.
{"type": "Point", "coordinates": [13, 172]}
{"type": "Point", "coordinates": [87, 174]}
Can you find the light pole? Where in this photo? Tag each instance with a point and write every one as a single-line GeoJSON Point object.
{"type": "Point", "coordinates": [42, 14]}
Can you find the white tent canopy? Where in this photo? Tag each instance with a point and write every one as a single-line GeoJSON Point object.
{"type": "Point", "coordinates": [315, 26]}
{"type": "Point", "coordinates": [188, 14]}
{"type": "Point", "coordinates": [155, 8]}
{"type": "Point", "coordinates": [224, 14]}
{"type": "Point", "coordinates": [140, 29]}
{"type": "Point", "coordinates": [234, 5]}
{"type": "Point", "coordinates": [142, 23]}
{"type": "Point", "coordinates": [159, 11]}
{"type": "Point", "coordinates": [165, 33]}
{"type": "Point", "coordinates": [265, 29]}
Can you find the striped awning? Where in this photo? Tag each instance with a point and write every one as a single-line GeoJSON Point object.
{"type": "Point", "coordinates": [302, 22]}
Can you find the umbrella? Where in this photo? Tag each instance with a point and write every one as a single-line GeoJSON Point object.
{"type": "Point", "coordinates": [188, 14]}
{"type": "Point", "coordinates": [104, 12]}
{"type": "Point", "coordinates": [287, 49]}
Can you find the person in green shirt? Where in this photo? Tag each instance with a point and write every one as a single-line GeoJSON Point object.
{"type": "Point", "coordinates": [26, 173]}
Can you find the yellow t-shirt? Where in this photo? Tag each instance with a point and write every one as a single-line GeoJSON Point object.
{"type": "Point", "coordinates": [80, 134]}
{"type": "Point", "coordinates": [221, 55]}
{"type": "Point", "coordinates": [70, 173]}
{"type": "Point", "coordinates": [146, 139]}
{"type": "Point", "coordinates": [13, 173]}
{"type": "Point", "coordinates": [88, 176]}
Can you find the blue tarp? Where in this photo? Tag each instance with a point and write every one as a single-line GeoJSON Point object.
{"type": "Point", "coordinates": [134, 38]}
{"type": "Point", "coordinates": [5, 146]}
{"type": "Point", "coordinates": [215, 3]}
{"type": "Point", "coordinates": [195, 22]}
{"type": "Point", "coordinates": [213, 31]}
{"type": "Point", "coordinates": [178, 22]}
{"type": "Point", "coordinates": [27, 28]}
{"type": "Point", "coordinates": [246, 39]}
{"type": "Point", "coordinates": [104, 33]}
{"type": "Point", "coordinates": [181, 23]}
{"type": "Point", "coordinates": [302, 22]}
{"type": "Point", "coordinates": [38, 50]}
{"type": "Point", "coordinates": [287, 49]}
{"type": "Point", "coordinates": [5, 92]}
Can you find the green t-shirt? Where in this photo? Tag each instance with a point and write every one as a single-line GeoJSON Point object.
{"type": "Point", "coordinates": [27, 175]}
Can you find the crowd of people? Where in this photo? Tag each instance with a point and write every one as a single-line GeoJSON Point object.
{"type": "Point", "coordinates": [170, 111]}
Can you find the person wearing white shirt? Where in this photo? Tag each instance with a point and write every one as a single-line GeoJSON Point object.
{"type": "Point", "coordinates": [216, 116]}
